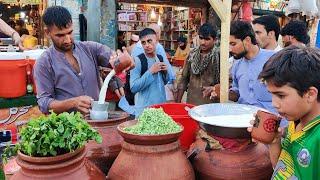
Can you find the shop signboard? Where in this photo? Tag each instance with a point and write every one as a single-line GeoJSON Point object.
{"type": "Point", "coordinates": [30, 1]}
{"type": "Point", "coordinates": [9, 1]}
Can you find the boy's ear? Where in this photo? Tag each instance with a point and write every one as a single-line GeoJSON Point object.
{"type": "Point", "coordinates": [312, 94]}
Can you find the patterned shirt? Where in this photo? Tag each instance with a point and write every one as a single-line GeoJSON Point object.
{"type": "Point", "coordinates": [193, 83]}
{"type": "Point", "coordinates": [300, 154]}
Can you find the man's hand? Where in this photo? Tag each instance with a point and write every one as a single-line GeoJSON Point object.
{"type": "Point", "coordinates": [158, 66]}
{"type": "Point", "coordinates": [215, 93]}
{"type": "Point", "coordinates": [121, 61]}
{"type": "Point", "coordinates": [206, 91]}
{"type": "Point", "coordinates": [82, 104]}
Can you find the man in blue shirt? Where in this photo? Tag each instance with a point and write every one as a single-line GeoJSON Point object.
{"type": "Point", "coordinates": [138, 49]}
{"type": "Point", "coordinates": [149, 87]}
{"type": "Point", "coordinates": [249, 61]}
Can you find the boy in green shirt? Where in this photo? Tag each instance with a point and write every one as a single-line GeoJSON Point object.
{"type": "Point", "coordinates": [293, 77]}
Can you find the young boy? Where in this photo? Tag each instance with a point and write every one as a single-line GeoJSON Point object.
{"type": "Point", "coordinates": [292, 76]}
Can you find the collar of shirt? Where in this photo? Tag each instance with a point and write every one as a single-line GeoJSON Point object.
{"type": "Point", "coordinates": [296, 135]}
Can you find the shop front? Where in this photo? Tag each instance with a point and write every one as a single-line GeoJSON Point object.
{"type": "Point", "coordinates": [24, 17]}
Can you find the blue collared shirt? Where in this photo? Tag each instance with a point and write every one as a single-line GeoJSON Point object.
{"type": "Point", "coordinates": [245, 81]}
{"type": "Point", "coordinates": [149, 88]}
{"type": "Point", "coordinates": [138, 49]}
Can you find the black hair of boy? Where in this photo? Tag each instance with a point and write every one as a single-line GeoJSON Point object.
{"type": "Point", "coordinates": [270, 23]}
{"type": "Point", "coordinates": [295, 66]}
{"type": "Point", "coordinates": [58, 16]}
{"type": "Point", "coordinates": [241, 30]}
{"type": "Point", "coordinates": [297, 29]}
{"type": "Point", "coordinates": [146, 31]}
{"type": "Point", "coordinates": [207, 30]}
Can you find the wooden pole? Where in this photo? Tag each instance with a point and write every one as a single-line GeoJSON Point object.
{"type": "Point", "coordinates": [223, 10]}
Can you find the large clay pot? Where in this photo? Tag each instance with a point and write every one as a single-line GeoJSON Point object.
{"type": "Point", "coordinates": [63, 167]}
{"type": "Point", "coordinates": [150, 157]}
{"type": "Point", "coordinates": [104, 154]}
{"type": "Point", "coordinates": [251, 162]}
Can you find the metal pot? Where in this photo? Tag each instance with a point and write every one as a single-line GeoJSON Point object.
{"type": "Point", "coordinates": [228, 120]}
{"type": "Point", "coordinates": [228, 132]}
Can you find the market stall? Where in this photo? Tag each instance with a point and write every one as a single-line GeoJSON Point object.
{"type": "Point", "coordinates": [24, 17]}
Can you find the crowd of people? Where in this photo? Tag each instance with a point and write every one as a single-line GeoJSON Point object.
{"type": "Point", "coordinates": [67, 77]}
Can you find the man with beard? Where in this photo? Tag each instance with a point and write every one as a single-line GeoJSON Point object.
{"type": "Point", "coordinates": [183, 49]}
{"type": "Point", "coordinates": [246, 88]}
{"type": "Point", "coordinates": [201, 69]}
{"type": "Point", "coordinates": [67, 74]}
{"type": "Point", "coordinates": [295, 33]}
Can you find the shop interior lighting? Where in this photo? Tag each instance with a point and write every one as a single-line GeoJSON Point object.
{"type": "Point", "coordinates": [22, 15]}
{"type": "Point", "coordinates": [159, 21]}
{"type": "Point", "coordinates": [153, 14]}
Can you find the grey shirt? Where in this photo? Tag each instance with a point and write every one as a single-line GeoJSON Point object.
{"type": "Point", "coordinates": [57, 80]}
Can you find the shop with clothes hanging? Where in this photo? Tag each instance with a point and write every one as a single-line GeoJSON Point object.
{"type": "Point", "coordinates": [24, 17]}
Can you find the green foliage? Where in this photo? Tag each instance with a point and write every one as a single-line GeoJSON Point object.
{"type": "Point", "coordinates": [154, 121]}
{"type": "Point", "coordinates": [53, 135]}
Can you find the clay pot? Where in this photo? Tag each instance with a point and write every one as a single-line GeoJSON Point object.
{"type": "Point", "coordinates": [63, 167]}
{"type": "Point", "coordinates": [150, 157]}
{"type": "Point", "coordinates": [250, 162]}
{"type": "Point", "coordinates": [104, 154]}
{"type": "Point", "coordinates": [265, 127]}
{"type": "Point", "coordinates": [122, 63]}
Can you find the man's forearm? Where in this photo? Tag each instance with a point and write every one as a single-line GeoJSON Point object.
{"type": "Point", "coordinates": [62, 106]}
{"type": "Point", "coordinates": [6, 29]}
{"type": "Point", "coordinates": [180, 93]}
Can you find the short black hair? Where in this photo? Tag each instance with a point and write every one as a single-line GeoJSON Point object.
{"type": "Point", "coordinates": [297, 29]}
{"type": "Point", "coordinates": [295, 66]}
{"type": "Point", "coordinates": [58, 16]}
{"type": "Point", "coordinates": [241, 29]}
{"type": "Point", "coordinates": [146, 31]}
{"type": "Point", "coordinates": [182, 39]}
{"type": "Point", "coordinates": [207, 30]}
{"type": "Point", "coordinates": [270, 23]}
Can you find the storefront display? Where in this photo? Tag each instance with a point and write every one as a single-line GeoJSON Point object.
{"type": "Point", "coordinates": [24, 17]}
{"type": "Point", "coordinates": [174, 21]}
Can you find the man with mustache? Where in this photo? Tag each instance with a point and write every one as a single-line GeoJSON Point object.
{"type": "Point", "coordinates": [295, 33]}
{"type": "Point", "coordinates": [249, 61]}
{"type": "Point", "coordinates": [201, 69]}
{"type": "Point", "coordinates": [67, 74]}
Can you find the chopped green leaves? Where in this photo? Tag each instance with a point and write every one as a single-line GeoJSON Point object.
{"type": "Point", "coordinates": [154, 121]}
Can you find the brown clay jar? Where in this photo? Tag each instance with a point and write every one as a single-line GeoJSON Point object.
{"type": "Point", "coordinates": [150, 157]}
{"type": "Point", "coordinates": [251, 162]}
{"type": "Point", "coordinates": [122, 63]}
{"type": "Point", "coordinates": [70, 166]}
{"type": "Point", "coordinates": [104, 154]}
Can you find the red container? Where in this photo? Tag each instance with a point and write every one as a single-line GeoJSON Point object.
{"type": "Point", "coordinates": [13, 78]}
{"type": "Point", "coordinates": [178, 113]}
{"type": "Point", "coordinates": [179, 62]}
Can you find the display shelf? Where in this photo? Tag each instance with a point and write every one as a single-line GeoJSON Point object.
{"type": "Point", "coordinates": [176, 21]}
